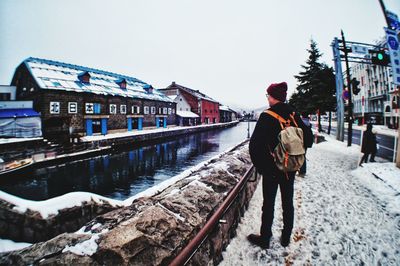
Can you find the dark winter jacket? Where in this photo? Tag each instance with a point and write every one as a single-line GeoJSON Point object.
{"type": "Point", "coordinates": [265, 137]}
{"type": "Point", "coordinates": [369, 142]}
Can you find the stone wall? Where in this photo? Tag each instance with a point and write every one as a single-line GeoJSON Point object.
{"type": "Point", "coordinates": [31, 227]}
{"type": "Point", "coordinates": [153, 230]}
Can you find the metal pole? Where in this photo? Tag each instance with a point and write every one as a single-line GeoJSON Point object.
{"type": "Point", "coordinates": [350, 113]}
{"type": "Point", "coordinates": [339, 90]}
{"type": "Point", "coordinates": [384, 12]}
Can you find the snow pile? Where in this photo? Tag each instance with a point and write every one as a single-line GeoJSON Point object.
{"type": "Point", "coordinates": [52, 206]}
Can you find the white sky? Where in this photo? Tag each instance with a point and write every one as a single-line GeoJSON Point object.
{"type": "Point", "coordinates": [231, 50]}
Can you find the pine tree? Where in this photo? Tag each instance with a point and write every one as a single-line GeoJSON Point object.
{"type": "Point", "coordinates": [316, 89]}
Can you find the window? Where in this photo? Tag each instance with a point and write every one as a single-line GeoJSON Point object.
{"type": "Point", "coordinates": [165, 110]}
{"type": "Point", "coordinates": [113, 109]}
{"type": "Point", "coordinates": [122, 109]}
{"type": "Point", "coordinates": [136, 109]}
{"type": "Point", "coordinates": [169, 111]}
{"type": "Point", "coordinates": [54, 107]}
{"type": "Point", "coordinates": [92, 108]}
{"type": "Point", "coordinates": [72, 107]}
{"type": "Point", "coordinates": [89, 108]}
{"type": "Point", "coordinates": [159, 110]}
{"type": "Point", "coordinates": [153, 110]}
{"type": "Point", "coordinates": [146, 110]}
{"type": "Point", "coordinates": [5, 96]}
{"type": "Point", "coordinates": [173, 111]}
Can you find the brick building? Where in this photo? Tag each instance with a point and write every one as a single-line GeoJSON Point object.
{"type": "Point", "coordinates": [78, 101]}
{"type": "Point", "coordinates": [202, 105]}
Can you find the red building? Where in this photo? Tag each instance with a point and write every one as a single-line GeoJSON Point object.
{"type": "Point", "coordinates": [200, 104]}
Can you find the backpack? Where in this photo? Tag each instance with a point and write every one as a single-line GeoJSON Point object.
{"type": "Point", "coordinates": [289, 154]}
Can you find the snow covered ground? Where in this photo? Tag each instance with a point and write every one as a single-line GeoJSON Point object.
{"type": "Point", "coordinates": [345, 214]}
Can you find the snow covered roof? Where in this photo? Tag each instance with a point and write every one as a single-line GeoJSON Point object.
{"type": "Point", "coordinates": [195, 93]}
{"type": "Point", "coordinates": [186, 114]}
{"type": "Point", "coordinates": [224, 108]}
{"type": "Point", "coordinates": [53, 75]}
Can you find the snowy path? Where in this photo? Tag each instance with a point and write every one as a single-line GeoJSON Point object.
{"type": "Point", "coordinates": [338, 219]}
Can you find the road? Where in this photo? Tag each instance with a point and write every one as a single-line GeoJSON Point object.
{"type": "Point", "coordinates": [385, 143]}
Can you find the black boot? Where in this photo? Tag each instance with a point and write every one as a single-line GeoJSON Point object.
{"type": "Point", "coordinates": [258, 240]}
{"type": "Point", "coordinates": [285, 239]}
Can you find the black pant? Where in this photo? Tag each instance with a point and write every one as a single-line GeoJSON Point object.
{"type": "Point", "coordinates": [270, 187]}
{"type": "Point", "coordinates": [365, 157]}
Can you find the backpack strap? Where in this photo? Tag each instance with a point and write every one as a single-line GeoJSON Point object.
{"type": "Point", "coordinates": [282, 121]}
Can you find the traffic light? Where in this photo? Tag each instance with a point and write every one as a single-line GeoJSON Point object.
{"type": "Point", "coordinates": [354, 86]}
{"type": "Point", "coordinates": [379, 57]}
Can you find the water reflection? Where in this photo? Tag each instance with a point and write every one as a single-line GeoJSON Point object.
{"type": "Point", "coordinates": [121, 175]}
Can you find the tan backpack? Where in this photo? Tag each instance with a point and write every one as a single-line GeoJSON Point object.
{"type": "Point", "coordinates": [289, 154]}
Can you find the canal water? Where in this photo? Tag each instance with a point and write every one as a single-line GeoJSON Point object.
{"type": "Point", "coordinates": [126, 173]}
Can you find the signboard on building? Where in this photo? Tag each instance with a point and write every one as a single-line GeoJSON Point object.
{"type": "Point", "coordinates": [393, 20]}
{"type": "Point", "coordinates": [394, 50]}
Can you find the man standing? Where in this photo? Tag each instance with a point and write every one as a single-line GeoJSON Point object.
{"type": "Point", "coordinates": [262, 143]}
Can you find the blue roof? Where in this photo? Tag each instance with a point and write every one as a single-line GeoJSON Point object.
{"type": "Point", "coordinates": [53, 75]}
{"type": "Point", "coordinates": [26, 112]}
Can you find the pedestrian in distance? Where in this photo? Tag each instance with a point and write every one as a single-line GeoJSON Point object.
{"type": "Point", "coordinates": [263, 140]}
{"type": "Point", "coordinates": [306, 121]}
{"type": "Point", "coordinates": [368, 146]}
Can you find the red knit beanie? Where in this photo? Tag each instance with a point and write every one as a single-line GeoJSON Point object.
{"type": "Point", "coordinates": [278, 91]}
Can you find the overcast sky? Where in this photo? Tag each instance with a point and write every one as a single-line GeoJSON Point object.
{"type": "Point", "coordinates": [230, 50]}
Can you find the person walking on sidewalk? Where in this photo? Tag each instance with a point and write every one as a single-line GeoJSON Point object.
{"type": "Point", "coordinates": [262, 142]}
{"type": "Point", "coordinates": [306, 121]}
{"type": "Point", "coordinates": [368, 145]}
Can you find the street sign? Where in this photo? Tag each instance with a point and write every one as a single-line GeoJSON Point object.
{"type": "Point", "coordinates": [394, 50]}
{"type": "Point", "coordinates": [359, 49]}
{"type": "Point", "coordinates": [393, 20]}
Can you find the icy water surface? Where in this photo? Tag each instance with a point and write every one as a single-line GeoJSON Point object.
{"type": "Point", "coordinates": [124, 174]}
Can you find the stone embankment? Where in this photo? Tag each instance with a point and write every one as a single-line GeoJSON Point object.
{"type": "Point", "coordinates": [153, 230]}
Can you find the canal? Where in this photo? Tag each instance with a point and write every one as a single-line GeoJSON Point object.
{"type": "Point", "coordinates": [125, 173]}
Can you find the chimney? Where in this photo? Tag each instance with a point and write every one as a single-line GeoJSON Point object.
{"type": "Point", "coordinates": [84, 77]}
{"type": "Point", "coordinates": [121, 83]}
{"type": "Point", "coordinates": [148, 88]}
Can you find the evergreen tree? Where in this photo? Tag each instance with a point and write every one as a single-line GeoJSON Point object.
{"type": "Point", "coordinates": [316, 88]}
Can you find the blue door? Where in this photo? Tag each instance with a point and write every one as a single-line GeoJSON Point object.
{"type": "Point", "coordinates": [104, 126]}
{"type": "Point", "coordinates": [129, 124]}
{"type": "Point", "coordinates": [140, 125]}
{"type": "Point", "coordinates": [89, 127]}
{"type": "Point", "coordinates": [157, 122]}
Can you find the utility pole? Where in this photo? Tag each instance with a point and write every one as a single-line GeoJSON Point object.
{"type": "Point", "coordinates": [350, 108]}
{"type": "Point", "coordinates": [384, 12]}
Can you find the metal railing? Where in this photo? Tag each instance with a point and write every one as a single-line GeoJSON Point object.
{"type": "Point", "coordinates": [191, 248]}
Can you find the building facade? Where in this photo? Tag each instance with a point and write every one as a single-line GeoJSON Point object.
{"type": "Point", "coordinates": [77, 101]}
{"type": "Point", "coordinates": [227, 114]}
{"type": "Point", "coordinates": [205, 107]}
{"type": "Point", "coordinates": [377, 101]}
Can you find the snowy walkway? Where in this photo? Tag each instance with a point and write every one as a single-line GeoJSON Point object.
{"type": "Point", "coordinates": [344, 216]}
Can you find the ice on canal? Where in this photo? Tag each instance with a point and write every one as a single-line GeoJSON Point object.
{"type": "Point", "coordinates": [344, 215]}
